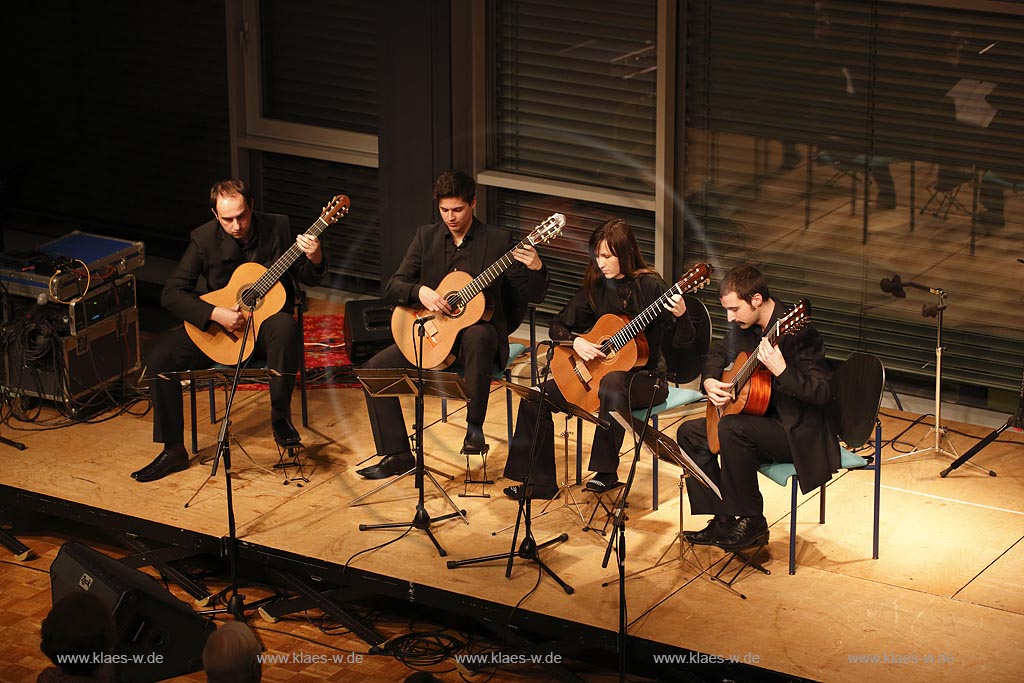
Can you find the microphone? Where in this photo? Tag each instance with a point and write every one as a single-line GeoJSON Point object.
{"type": "Point", "coordinates": [425, 318]}
{"type": "Point", "coordinates": [556, 342]}
{"type": "Point", "coordinates": [893, 286]}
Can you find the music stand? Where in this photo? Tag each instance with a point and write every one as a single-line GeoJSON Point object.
{"type": "Point", "coordinates": [533, 395]}
{"type": "Point", "coordinates": [397, 382]}
{"type": "Point", "coordinates": [529, 549]}
{"type": "Point", "coordinates": [657, 443]}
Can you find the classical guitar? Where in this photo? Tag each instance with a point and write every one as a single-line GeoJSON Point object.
{"type": "Point", "coordinates": [258, 294]}
{"type": "Point", "coordinates": [751, 382]}
{"type": "Point", "coordinates": [460, 290]}
{"type": "Point", "coordinates": [621, 340]}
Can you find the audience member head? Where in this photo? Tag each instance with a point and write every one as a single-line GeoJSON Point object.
{"type": "Point", "coordinates": [79, 624]}
{"type": "Point", "coordinates": [231, 655]}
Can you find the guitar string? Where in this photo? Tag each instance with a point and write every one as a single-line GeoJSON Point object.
{"type": "Point", "coordinates": [480, 282]}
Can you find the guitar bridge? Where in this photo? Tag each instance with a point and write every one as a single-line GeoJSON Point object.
{"type": "Point", "coordinates": [582, 374]}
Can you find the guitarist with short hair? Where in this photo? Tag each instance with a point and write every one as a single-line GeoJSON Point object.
{"type": "Point", "coordinates": [789, 426]}
{"type": "Point", "coordinates": [236, 235]}
{"type": "Point", "coordinates": [458, 242]}
{"type": "Point", "coordinates": [617, 282]}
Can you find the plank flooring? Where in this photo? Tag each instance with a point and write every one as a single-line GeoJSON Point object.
{"type": "Point", "coordinates": [947, 585]}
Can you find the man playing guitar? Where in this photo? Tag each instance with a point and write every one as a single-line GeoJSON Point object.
{"type": "Point", "coordinates": [236, 235]}
{"type": "Point", "coordinates": [790, 426]}
{"type": "Point", "coordinates": [459, 241]}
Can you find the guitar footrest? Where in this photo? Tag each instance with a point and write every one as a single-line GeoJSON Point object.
{"type": "Point", "coordinates": [469, 480]}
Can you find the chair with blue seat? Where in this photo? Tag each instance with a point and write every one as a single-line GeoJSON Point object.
{"type": "Point", "coordinates": [857, 386]}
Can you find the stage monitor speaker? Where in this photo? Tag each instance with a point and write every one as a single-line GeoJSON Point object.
{"type": "Point", "coordinates": [158, 635]}
{"type": "Point", "coordinates": [367, 328]}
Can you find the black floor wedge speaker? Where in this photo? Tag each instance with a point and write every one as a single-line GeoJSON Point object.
{"type": "Point", "coordinates": [158, 635]}
{"type": "Point", "coordinates": [367, 328]}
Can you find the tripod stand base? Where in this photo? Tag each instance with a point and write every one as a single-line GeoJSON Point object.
{"type": "Point", "coordinates": [421, 520]}
{"type": "Point", "coordinates": [528, 550]}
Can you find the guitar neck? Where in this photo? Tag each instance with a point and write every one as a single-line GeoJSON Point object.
{"type": "Point", "coordinates": [747, 371]}
{"type": "Point", "coordinates": [639, 323]}
{"type": "Point", "coordinates": [287, 259]}
{"type": "Point", "coordinates": [484, 279]}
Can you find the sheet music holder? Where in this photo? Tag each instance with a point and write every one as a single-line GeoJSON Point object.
{"type": "Point", "coordinates": [402, 382]}
{"type": "Point", "coordinates": [666, 449]}
{"type": "Point", "coordinates": [533, 395]}
{"type": "Point", "coordinates": [418, 383]}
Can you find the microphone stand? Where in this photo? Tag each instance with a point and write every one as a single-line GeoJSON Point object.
{"type": "Point", "coordinates": [529, 549]}
{"type": "Point", "coordinates": [939, 432]}
{"type": "Point", "coordinates": [1015, 421]}
{"type": "Point", "coordinates": [421, 519]}
{"type": "Point", "coordinates": [619, 539]}
{"type": "Point", "coordinates": [236, 603]}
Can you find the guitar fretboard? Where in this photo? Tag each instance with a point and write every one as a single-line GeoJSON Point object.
{"type": "Point", "coordinates": [747, 371]}
{"type": "Point", "coordinates": [290, 256]}
{"type": "Point", "coordinates": [639, 323]}
{"type": "Point", "coordinates": [484, 279]}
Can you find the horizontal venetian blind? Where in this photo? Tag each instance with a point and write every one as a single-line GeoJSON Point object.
{"type": "Point", "coordinates": [575, 91]}
{"type": "Point", "coordinates": [301, 187]}
{"type": "Point", "coordinates": [790, 102]}
{"type": "Point", "coordinates": [319, 62]}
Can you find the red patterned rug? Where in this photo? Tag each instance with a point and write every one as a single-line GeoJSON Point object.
{"type": "Point", "coordinates": [327, 362]}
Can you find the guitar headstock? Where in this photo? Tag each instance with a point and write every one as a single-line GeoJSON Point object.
{"type": "Point", "coordinates": [696, 278]}
{"type": "Point", "coordinates": [795, 319]}
{"type": "Point", "coordinates": [335, 209]}
{"type": "Point", "coordinates": [548, 230]}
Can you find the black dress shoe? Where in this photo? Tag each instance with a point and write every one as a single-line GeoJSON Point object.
{"type": "Point", "coordinates": [285, 433]}
{"type": "Point", "coordinates": [745, 533]}
{"type": "Point", "coordinates": [171, 460]}
{"type": "Point", "coordinates": [474, 441]}
{"type": "Point", "coordinates": [719, 525]}
{"type": "Point", "coordinates": [389, 466]}
{"type": "Point", "coordinates": [537, 492]}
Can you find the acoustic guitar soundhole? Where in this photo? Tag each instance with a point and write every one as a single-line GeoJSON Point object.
{"type": "Point", "coordinates": [248, 298]}
{"type": "Point", "coordinates": [455, 303]}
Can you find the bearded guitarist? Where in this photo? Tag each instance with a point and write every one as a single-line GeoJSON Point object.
{"type": "Point", "coordinates": [237, 235]}
{"type": "Point", "coordinates": [459, 241]}
{"type": "Point", "coordinates": [789, 423]}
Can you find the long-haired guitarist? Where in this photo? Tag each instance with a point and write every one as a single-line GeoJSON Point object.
{"type": "Point", "coordinates": [236, 235]}
{"type": "Point", "coordinates": [458, 242]}
{"type": "Point", "coordinates": [777, 413]}
{"type": "Point", "coordinates": [617, 281]}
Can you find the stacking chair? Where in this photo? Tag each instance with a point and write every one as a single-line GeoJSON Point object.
{"type": "Point", "coordinates": [857, 386]}
{"type": "Point", "coordinates": [946, 189]}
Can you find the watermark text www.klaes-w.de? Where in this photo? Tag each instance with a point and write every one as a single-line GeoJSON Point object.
{"type": "Point", "coordinates": [701, 658]}
{"type": "Point", "coordinates": [901, 658]}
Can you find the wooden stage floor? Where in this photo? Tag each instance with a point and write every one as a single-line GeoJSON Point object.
{"type": "Point", "coordinates": [945, 600]}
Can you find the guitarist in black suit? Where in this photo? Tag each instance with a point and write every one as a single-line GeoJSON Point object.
{"type": "Point", "coordinates": [793, 429]}
{"type": "Point", "coordinates": [236, 235]}
{"type": "Point", "coordinates": [459, 241]}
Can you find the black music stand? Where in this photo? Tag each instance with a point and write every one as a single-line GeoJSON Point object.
{"type": "Point", "coordinates": [529, 549]}
{"type": "Point", "coordinates": [533, 395]}
{"type": "Point", "coordinates": [397, 382]}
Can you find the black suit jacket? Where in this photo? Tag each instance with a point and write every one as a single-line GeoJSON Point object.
{"type": "Point", "coordinates": [213, 255]}
{"type": "Point", "coordinates": [424, 265]}
{"type": "Point", "coordinates": [800, 395]}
